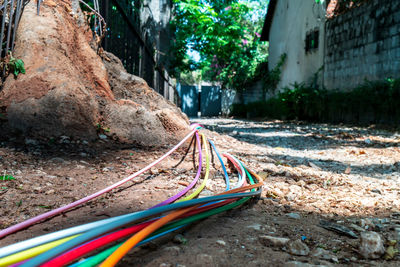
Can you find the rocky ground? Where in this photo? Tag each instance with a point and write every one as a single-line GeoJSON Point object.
{"type": "Point", "coordinates": [331, 194]}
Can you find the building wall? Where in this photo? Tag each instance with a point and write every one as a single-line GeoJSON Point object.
{"type": "Point", "coordinates": [363, 43]}
{"type": "Point", "coordinates": [293, 19]}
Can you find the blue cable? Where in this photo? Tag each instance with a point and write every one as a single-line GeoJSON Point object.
{"type": "Point", "coordinates": [42, 258]}
{"type": "Point", "coordinates": [147, 240]}
{"type": "Point", "coordinates": [222, 164]}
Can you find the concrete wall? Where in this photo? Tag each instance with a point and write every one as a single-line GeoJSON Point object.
{"type": "Point", "coordinates": [363, 43]}
{"type": "Point", "coordinates": [293, 19]}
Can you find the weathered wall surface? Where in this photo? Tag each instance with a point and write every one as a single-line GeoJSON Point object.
{"type": "Point", "coordinates": [363, 43]}
{"type": "Point", "coordinates": [291, 23]}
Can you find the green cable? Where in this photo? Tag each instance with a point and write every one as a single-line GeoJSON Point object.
{"type": "Point", "coordinates": [93, 261]}
{"type": "Point", "coordinates": [100, 257]}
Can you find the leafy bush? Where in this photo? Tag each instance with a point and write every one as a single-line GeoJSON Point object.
{"type": "Point", "coordinates": [371, 102]}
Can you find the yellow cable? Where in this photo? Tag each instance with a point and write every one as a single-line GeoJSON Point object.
{"type": "Point", "coordinates": [115, 257]}
{"type": "Point", "coordinates": [30, 253]}
{"type": "Point", "coordinates": [203, 184]}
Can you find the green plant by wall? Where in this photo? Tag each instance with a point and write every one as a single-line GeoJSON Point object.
{"type": "Point", "coordinates": [15, 65]}
{"type": "Point", "coordinates": [372, 102]}
{"type": "Point", "coordinates": [273, 77]}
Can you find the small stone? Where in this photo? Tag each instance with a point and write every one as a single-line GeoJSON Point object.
{"type": "Point", "coordinates": [298, 248]}
{"type": "Point", "coordinates": [291, 196]}
{"type": "Point", "coordinates": [377, 191]}
{"type": "Point", "coordinates": [102, 136]}
{"type": "Point", "coordinates": [204, 259]}
{"type": "Point", "coordinates": [37, 189]}
{"type": "Point", "coordinates": [276, 192]}
{"type": "Point", "coordinates": [348, 170]}
{"type": "Point", "coordinates": [165, 264]}
{"type": "Point", "coordinates": [357, 228]}
{"type": "Point", "coordinates": [83, 154]}
{"type": "Point", "coordinates": [31, 142]}
{"type": "Point", "coordinates": [221, 243]}
{"type": "Point", "coordinates": [300, 264]}
{"type": "Point", "coordinates": [206, 193]}
{"type": "Point", "coordinates": [267, 240]}
{"type": "Point", "coordinates": [371, 245]}
{"type": "Point", "coordinates": [179, 239]}
{"type": "Point", "coordinates": [384, 221]}
{"type": "Point", "coordinates": [293, 215]}
{"type": "Point", "coordinates": [269, 229]}
{"type": "Point", "coordinates": [49, 192]}
{"type": "Point", "coordinates": [366, 223]}
{"type": "Point", "coordinates": [85, 142]}
{"type": "Point", "coordinates": [367, 141]}
{"type": "Point", "coordinates": [174, 250]}
{"type": "Point", "coordinates": [378, 227]}
{"type": "Point", "coordinates": [312, 165]}
{"type": "Point", "coordinates": [323, 254]}
{"type": "Point", "coordinates": [57, 160]}
{"type": "Point", "coordinates": [255, 226]}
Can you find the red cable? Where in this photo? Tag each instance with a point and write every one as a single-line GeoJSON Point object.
{"type": "Point", "coordinates": [71, 255]}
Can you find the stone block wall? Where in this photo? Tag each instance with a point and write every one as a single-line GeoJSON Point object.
{"type": "Point", "coordinates": [363, 44]}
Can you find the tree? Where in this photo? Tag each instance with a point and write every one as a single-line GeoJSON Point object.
{"type": "Point", "coordinates": [224, 34]}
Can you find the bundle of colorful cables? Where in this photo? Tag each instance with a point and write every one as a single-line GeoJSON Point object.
{"type": "Point", "coordinates": [68, 245]}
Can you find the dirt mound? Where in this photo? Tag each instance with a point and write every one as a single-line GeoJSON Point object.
{"type": "Point", "coordinates": [143, 108]}
{"type": "Point", "coordinates": [68, 90]}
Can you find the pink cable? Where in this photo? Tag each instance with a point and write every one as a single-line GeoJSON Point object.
{"type": "Point", "coordinates": [173, 198]}
{"type": "Point", "coordinates": [57, 211]}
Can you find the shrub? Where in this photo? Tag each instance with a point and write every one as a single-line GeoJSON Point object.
{"type": "Point", "coordinates": [370, 102]}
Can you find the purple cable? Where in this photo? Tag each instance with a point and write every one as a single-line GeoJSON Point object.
{"type": "Point", "coordinates": [184, 191]}
{"type": "Point", "coordinates": [18, 263]}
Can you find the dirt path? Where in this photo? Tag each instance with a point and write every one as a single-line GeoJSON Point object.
{"type": "Point", "coordinates": [346, 176]}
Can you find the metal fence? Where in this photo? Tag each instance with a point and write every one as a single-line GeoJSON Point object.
{"type": "Point", "coordinates": [202, 100]}
{"type": "Point", "coordinates": [10, 11]}
{"type": "Point", "coordinates": [121, 36]}
{"type": "Point", "coordinates": [124, 39]}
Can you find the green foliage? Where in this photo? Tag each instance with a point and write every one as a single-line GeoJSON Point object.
{"type": "Point", "coordinates": [273, 77]}
{"type": "Point", "coordinates": [224, 34]}
{"type": "Point", "coordinates": [45, 207]}
{"type": "Point", "coordinates": [371, 102]}
{"type": "Point", "coordinates": [190, 78]}
{"type": "Point", "coordinates": [16, 66]}
{"type": "Point", "coordinates": [101, 128]}
{"type": "Point", "coordinates": [6, 178]}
